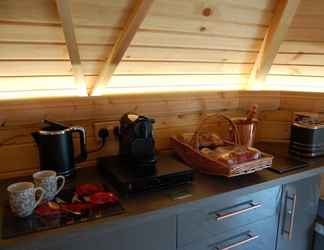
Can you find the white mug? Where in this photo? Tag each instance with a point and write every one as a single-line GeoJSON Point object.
{"type": "Point", "coordinates": [22, 198]}
{"type": "Point", "coordinates": [47, 179]}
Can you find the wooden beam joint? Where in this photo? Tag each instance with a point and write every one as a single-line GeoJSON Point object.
{"type": "Point", "coordinates": [133, 22]}
{"type": "Point", "coordinates": [64, 11]}
{"type": "Point", "coordinates": [277, 30]}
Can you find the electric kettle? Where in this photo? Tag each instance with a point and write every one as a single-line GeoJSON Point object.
{"type": "Point", "coordinates": [55, 145]}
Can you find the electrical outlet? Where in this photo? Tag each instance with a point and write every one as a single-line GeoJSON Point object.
{"type": "Point", "coordinates": [110, 125]}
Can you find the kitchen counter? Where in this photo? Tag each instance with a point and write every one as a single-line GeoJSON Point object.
{"type": "Point", "coordinates": [159, 205]}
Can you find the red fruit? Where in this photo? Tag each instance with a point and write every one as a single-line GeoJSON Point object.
{"type": "Point", "coordinates": [101, 198]}
{"type": "Point", "coordinates": [45, 210]}
{"type": "Point", "coordinates": [88, 189]}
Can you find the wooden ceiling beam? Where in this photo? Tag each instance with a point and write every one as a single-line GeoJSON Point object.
{"type": "Point", "coordinates": [132, 24]}
{"type": "Point", "coordinates": [278, 28]}
{"type": "Point", "coordinates": [64, 11]}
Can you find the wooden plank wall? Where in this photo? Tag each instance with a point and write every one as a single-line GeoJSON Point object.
{"type": "Point", "coordinates": [174, 113]}
{"type": "Point", "coordinates": [214, 42]}
{"type": "Point", "coordinates": [299, 64]}
{"type": "Point", "coordinates": [177, 38]}
{"type": "Point", "coordinates": [268, 114]}
{"type": "Point", "coordinates": [275, 122]}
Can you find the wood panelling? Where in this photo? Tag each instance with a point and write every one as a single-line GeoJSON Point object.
{"type": "Point", "coordinates": [30, 51]}
{"type": "Point", "coordinates": [50, 52]}
{"type": "Point", "coordinates": [296, 53]}
{"type": "Point", "coordinates": [274, 125]}
{"type": "Point", "coordinates": [310, 15]}
{"type": "Point", "coordinates": [310, 102]}
{"type": "Point", "coordinates": [110, 13]}
{"type": "Point", "coordinates": [266, 100]}
{"type": "Point", "coordinates": [133, 21]}
{"type": "Point", "coordinates": [12, 32]}
{"type": "Point", "coordinates": [225, 42]}
{"type": "Point", "coordinates": [176, 37]}
{"type": "Point", "coordinates": [177, 45]}
{"type": "Point", "coordinates": [64, 10]}
{"type": "Point", "coordinates": [295, 47]}
{"type": "Point", "coordinates": [38, 33]}
{"type": "Point", "coordinates": [299, 64]}
{"type": "Point", "coordinates": [174, 113]}
{"type": "Point", "coordinates": [274, 122]}
{"type": "Point", "coordinates": [56, 68]}
{"type": "Point", "coordinates": [155, 83]}
{"type": "Point", "coordinates": [280, 22]}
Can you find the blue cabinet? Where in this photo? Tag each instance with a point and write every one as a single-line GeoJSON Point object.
{"type": "Point", "coordinates": [226, 214]}
{"type": "Point", "coordinates": [260, 235]}
{"type": "Point", "coordinates": [277, 218]}
{"type": "Point", "coordinates": [153, 235]}
{"type": "Point", "coordinates": [298, 212]}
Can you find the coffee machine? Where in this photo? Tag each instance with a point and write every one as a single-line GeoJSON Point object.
{"type": "Point", "coordinates": [136, 143]}
{"type": "Point", "coordinates": [137, 168]}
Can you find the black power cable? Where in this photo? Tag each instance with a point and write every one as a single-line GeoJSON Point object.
{"type": "Point", "coordinates": [103, 133]}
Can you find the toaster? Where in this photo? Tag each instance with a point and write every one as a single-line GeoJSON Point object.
{"type": "Point", "coordinates": [307, 139]}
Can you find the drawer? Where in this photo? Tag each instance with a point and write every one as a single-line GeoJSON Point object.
{"type": "Point", "coordinates": [224, 214]}
{"type": "Point", "coordinates": [260, 235]}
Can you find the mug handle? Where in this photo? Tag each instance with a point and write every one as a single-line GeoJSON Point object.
{"type": "Point", "coordinates": [40, 197]}
{"type": "Point", "coordinates": [62, 185]}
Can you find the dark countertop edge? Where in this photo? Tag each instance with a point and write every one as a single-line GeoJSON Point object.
{"type": "Point", "coordinates": [118, 222]}
{"type": "Point", "coordinates": [179, 208]}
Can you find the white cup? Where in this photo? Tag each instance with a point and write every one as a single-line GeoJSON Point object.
{"type": "Point", "coordinates": [47, 179]}
{"type": "Point", "coordinates": [22, 198]}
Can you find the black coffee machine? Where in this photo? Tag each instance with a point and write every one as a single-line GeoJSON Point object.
{"type": "Point", "coordinates": [56, 151]}
{"type": "Point", "coordinates": [136, 143]}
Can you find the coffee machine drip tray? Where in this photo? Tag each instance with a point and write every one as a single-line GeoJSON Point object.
{"type": "Point", "coordinates": [170, 172]}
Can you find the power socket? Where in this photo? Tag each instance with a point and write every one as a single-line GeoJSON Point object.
{"type": "Point", "coordinates": [110, 125]}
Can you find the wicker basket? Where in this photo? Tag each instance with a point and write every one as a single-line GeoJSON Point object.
{"type": "Point", "coordinates": [189, 151]}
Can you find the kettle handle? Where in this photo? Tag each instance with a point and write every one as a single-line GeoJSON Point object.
{"type": "Point", "coordinates": [83, 146]}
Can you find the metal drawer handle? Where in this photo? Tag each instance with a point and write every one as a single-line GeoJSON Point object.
{"type": "Point", "coordinates": [291, 212]}
{"type": "Point", "coordinates": [242, 242]}
{"type": "Point", "coordinates": [253, 205]}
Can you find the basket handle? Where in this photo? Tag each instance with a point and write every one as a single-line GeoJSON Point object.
{"type": "Point", "coordinates": [195, 137]}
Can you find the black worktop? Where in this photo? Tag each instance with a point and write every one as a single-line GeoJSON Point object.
{"type": "Point", "coordinates": [159, 204]}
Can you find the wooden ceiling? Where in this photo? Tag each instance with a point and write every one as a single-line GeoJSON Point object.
{"type": "Point", "coordinates": [65, 47]}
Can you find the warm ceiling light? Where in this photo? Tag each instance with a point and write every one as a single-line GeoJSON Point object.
{"type": "Point", "coordinates": [255, 85]}
{"type": "Point", "coordinates": [295, 83]}
{"type": "Point", "coordinates": [171, 83]}
{"type": "Point", "coordinates": [36, 94]}
{"type": "Point", "coordinates": [35, 87]}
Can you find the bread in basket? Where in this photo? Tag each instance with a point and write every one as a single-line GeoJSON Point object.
{"type": "Point", "coordinates": [214, 148]}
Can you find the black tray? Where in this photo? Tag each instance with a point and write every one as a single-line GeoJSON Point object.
{"type": "Point", "coordinates": [13, 226]}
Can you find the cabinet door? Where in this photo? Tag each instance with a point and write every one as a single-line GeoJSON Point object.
{"type": "Point", "coordinates": [154, 235]}
{"type": "Point", "coordinates": [298, 213]}
{"type": "Point", "coordinates": [95, 238]}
